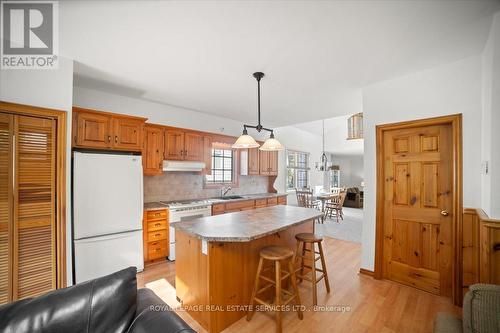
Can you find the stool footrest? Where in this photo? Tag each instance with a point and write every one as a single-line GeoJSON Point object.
{"type": "Point", "coordinates": [284, 276]}
{"type": "Point", "coordinates": [308, 250]}
{"type": "Point", "coordinates": [308, 278]}
{"type": "Point", "coordinates": [267, 286]}
{"type": "Point", "coordinates": [308, 258]}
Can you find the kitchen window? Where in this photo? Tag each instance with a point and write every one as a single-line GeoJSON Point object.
{"type": "Point", "coordinates": [223, 167]}
{"type": "Point", "coordinates": [297, 164]}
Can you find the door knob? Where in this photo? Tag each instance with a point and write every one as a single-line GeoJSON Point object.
{"type": "Point", "coordinates": [444, 212]}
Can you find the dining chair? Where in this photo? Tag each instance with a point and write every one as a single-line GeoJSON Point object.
{"type": "Point", "coordinates": [305, 198]}
{"type": "Point", "coordinates": [334, 206]}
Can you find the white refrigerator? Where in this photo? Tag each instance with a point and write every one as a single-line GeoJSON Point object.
{"type": "Point", "coordinates": [107, 214]}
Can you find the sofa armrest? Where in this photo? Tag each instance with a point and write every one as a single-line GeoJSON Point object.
{"type": "Point", "coordinates": [481, 308]}
{"type": "Point", "coordinates": [447, 323]}
{"type": "Point", "coordinates": [154, 315]}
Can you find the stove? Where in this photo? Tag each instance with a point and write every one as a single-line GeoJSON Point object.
{"type": "Point", "coordinates": [184, 210]}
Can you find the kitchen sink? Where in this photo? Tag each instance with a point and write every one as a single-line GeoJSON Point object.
{"type": "Point", "coordinates": [229, 197]}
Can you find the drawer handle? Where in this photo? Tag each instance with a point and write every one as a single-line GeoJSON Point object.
{"type": "Point", "coordinates": [157, 214]}
{"type": "Point", "coordinates": [157, 235]}
{"type": "Point", "coordinates": [157, 224]}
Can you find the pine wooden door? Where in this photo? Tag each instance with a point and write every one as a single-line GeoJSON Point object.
{"type": "Point", "coordinates": [6, 206]}
{"type": "Point", "coordinates": [418, 212]}
{"type": "Point", "coordinates": [174, 145]}
{"type": "Point", "coordinates": [34, 237]}
{"type": "Point", "coordinates": [153, 150]}
{"type": "Point", "coordinates": [193, 147]}
{"type": "Point", "coordinates": [27, 207]}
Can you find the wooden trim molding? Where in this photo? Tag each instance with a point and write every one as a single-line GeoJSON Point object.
{"type": "Point", "coordinates": [61, 132]}
{"type": "Point", "coordinates": [456, 123]}
{"type": "Point", "coordinates": [365, 271]}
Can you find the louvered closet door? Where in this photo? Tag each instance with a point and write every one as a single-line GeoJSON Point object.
{"type": "Point", "coordinates": [34, 207]}
{"type": "Point", "coordinates": [6, 196]}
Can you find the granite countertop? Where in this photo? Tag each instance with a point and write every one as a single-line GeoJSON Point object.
{"type": "Point", "coordinates": [158, 205]}
{"type": "Point", "coordinates": [154, 206]}
{"type": "Point", "coordinates": [246, 225]}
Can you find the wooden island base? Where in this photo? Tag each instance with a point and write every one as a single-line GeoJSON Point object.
{"type": "Point", "coordinates": [215, 287]}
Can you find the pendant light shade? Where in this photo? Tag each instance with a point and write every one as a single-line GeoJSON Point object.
{"type": "Point", "coordinates": [272, 144]}
{"type": "Point", "coordinates": [245, 141]}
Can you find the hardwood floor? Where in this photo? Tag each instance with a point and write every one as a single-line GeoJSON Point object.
{"type": "Point", "coordinates": [370, 305]}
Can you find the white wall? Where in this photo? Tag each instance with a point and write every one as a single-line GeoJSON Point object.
{"type": "Point", "coordinates": [444, 90]}
{"type": "Point", "coordinates": [490, 183]}
{"type": "Point", "coordinates": [50, 89]}
{"type": "Point", "coordinates": [351, 169]}
{"type": "Point", "coordinates": [158, 113]}
{"type": "Point", "coordinates": [300, 140]}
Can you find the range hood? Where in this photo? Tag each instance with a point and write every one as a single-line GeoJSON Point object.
{"type": "Point", "coordinates": [183, 166]}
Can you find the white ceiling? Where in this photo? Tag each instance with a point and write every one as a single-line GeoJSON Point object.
{"type": "Point", "coordinates": [335, 136]}
{"type": "Point", "coordinates": [316, 54]}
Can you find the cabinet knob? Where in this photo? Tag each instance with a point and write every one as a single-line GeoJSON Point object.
{"type": "Point", "coordinates": [116, 139]}
{"type": "Point", "coordinates": [109, 138]}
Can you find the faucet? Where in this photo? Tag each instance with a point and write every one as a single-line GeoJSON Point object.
{"type": "Point", "coordinates": [224, 190]}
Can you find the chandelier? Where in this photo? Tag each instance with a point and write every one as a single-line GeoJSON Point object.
{"type": "Point", "coordinates": [323, 165]}
{"type": "Point", "coordinates": [246, 141]}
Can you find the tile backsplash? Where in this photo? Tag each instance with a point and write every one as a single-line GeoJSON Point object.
{"type": "Point", "coordinates": [189, 185]}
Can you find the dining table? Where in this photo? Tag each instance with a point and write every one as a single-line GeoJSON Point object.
{"type": "Point", "coordinates": [324, 197]}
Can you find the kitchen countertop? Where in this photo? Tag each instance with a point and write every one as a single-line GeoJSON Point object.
{"type": "Point", "coordinates": [154, 206]}
{"type": "Point", "coordinates": [247, 225]}
{"type": "Point", "coordinates": [158, 205]}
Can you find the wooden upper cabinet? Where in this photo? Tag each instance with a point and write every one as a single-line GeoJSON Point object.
{"type": "Point", "coordinates": [268, 163]}
{"type": "Point", "coordinates": [174, 145]}
{"type": "Point", "coordinates": [273, 163]}
{"type": "Point", "coordinates": [193, 146]}
{"type": "Point", "coordinates": [253, 161]}
{"type": "Point", "coordinates": [152, 157]}
{"type": "Point", "coordinates": [207, 154]}
{"type": "Point", "coordinates": [127, 133]}
{"type": "Point", "coordinates": [104, 130]}
{"type": "Point", "coordinates": [92, 130]}
{"type": "Point", "coordinates": [264, 162]}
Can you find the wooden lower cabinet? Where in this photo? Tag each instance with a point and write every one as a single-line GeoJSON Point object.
{"type": "Point", "coordinates": [156, 233]}
{"type": "Point", "coordinates": [238, 206]}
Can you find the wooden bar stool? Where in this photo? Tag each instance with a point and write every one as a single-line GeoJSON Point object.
{"type": "Point", "coordinates": [276, 254]}
{"type": "Point", "coordinates": [302, 240]}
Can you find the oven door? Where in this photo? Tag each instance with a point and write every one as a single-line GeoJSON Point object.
{"type": "Point", "coordinates": [183, 214]}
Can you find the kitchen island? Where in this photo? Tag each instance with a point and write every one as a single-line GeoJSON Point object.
{"type": "Point", "coordinates": [217, 258]}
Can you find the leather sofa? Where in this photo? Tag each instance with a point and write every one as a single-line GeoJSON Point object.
{"type": "Point", "coordinates": [353, 198]}
{"type": "Point", "coordinates": [481, 312]}
{"type": "Point", "coordinates": [108, 304]}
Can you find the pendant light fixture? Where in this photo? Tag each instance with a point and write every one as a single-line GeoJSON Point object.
{"type": "Point", "coordinates": [323, 165]}
{"type": "Point", "coordinates": [245, 140]}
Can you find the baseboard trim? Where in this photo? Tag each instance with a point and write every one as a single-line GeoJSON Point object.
{"type": "Point", "coordinates": [366, 272]}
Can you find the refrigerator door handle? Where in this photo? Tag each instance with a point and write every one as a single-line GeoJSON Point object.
{"type": "Point", "coordinates": [117, 235]}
